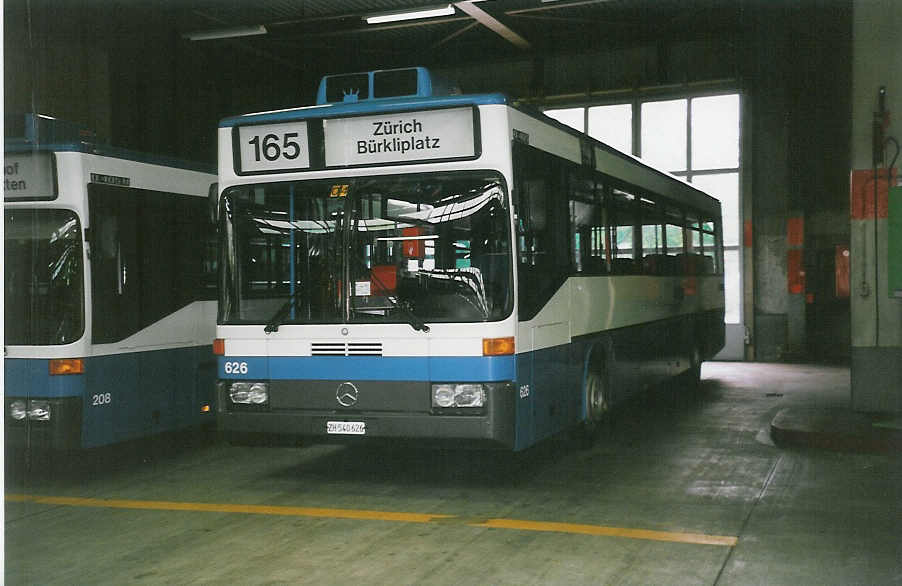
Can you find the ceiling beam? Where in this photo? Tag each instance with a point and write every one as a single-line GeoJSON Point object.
{"type": "Point", "coordinates": [492, 23]}
{"type": "Point", "coordinates": [455, 35]}
{"type": "Point", "coordinates": [556, 5]}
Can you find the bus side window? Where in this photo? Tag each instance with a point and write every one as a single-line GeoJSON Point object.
{"type": "Point", "coordinates": [702, 245]}
{"type": "Point", "coordinates": [622, 227]}
{"type": "Point", "coordinates": [587, 224]}
{"type": "Point", "coordinates": [653, 259]}
{"type": "Point", "coordinates": [532, 223]}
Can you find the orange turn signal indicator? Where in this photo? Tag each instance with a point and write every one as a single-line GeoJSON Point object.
{"type": "Point", "coordinates": [67, 366]}
{"type": "Point", "coordinates": [219, 347]}
{"type": "Point", "coordinates": [498, 346]}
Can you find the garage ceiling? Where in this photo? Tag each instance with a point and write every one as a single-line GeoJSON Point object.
{"type": "Point", "coordinates": [477, 30]}
{"type": "Point", "coordinates": [301, 33]}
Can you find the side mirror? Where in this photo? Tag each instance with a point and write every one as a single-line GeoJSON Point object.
{"type": "Point", "coordinates": [213, 203]}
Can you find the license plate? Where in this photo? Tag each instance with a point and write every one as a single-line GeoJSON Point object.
{"type": "Point", "coordinates": [346, 427]}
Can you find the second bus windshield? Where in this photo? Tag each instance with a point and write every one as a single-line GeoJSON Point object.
{"type": "Point", "coordinates": [393, 248]}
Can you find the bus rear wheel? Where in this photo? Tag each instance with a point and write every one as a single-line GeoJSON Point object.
{"type": "Point", "coordinates": [597, 403]}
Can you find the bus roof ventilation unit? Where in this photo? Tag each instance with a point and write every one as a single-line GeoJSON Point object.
{"type": "Point", "coordinates": [368, 86]}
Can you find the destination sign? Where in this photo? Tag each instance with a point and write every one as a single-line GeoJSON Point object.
{"type": "Point", "coordinates": [273, 147]}
{"type": "Point", "coordinates": [28, 176]}
{"type": "Point", "coordinates": [400, 138]}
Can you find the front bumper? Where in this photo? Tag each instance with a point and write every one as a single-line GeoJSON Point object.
{"type": "Point", "coordinates": [389, 409]}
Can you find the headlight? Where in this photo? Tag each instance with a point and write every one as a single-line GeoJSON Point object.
{"type": "Point", "coordinates": [461, 395]}
{"type": "Point", "coordinates": [245, 393]}
{"type": "Point", "coordinates": [17, 410]}
{"type": "Point", "coordinates": [34, 410]}
{"type": "Point", "coordinates": [39, 410]}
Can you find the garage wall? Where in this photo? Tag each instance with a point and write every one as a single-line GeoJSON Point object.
{"type": "Point", "coordinates": [791, 60]}
{"type": "Point", "coordinates": [55, 69]}
{"type": "Point", "coordinates": [876, 316]}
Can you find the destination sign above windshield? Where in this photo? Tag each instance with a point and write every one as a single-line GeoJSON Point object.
{"type": "Point", "coordinates": [393, 138]}
{"type": "Point", "coordinates": [28, 176]}
{"type": "Point", "coordinates": [400, 138]}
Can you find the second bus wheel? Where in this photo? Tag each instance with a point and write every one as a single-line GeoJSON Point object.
{"type": "Point", "coordinates": [597, 396]}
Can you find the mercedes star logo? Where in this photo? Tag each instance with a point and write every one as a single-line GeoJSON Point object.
{"type": "Point", "coordinates": [346, 394]}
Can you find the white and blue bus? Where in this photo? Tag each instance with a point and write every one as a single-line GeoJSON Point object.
{"type": "Point", "coordinates": [110, 288]}
{"type": "Point", "coordinates": [401, 261]}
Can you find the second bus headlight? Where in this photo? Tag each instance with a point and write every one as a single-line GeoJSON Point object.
{"type": "Point", "coordinates": [245, 393]}
{"type": "Point", "coordinates": [18, 410]}
{"type": "Point", "coordinates": [39, 410]}
{"type": "Point", "coordinates": [458, 395]}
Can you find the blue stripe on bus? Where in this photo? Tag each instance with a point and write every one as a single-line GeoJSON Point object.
{"type": "Point", "coordinates": [435, 368]}
{"type": "Point", "coordinates": [30, 377]}
{"type": "Point", "coordinates": [124, 396]}
{"type": "Point", "coordinates": [150, 392]}
{"type": "Point", "coordinates": [355, 108]}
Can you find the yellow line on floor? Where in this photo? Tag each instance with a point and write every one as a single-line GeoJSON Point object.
{"type": "Point", "coordinates": [694, 538]}
{"type": "Point", "coordinates": [511, 524]}
{"type": "Point", "coordinates": [228, 508]}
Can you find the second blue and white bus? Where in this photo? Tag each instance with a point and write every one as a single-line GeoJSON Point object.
{"type": "Point", "coordinates": [109, 292]}
{"type": "Point", "coordinates": [399, 261]}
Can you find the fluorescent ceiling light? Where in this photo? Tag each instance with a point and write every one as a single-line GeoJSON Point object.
{"type": "Point", "coordinates": [446, 10]}
{"type": "Point", "coordinates": [226, 33]}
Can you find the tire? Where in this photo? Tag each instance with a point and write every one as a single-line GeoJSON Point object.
{"type": "Point", "coordinates": [598, 405]}
{"type": "Point", "coordinates": [597, 396]}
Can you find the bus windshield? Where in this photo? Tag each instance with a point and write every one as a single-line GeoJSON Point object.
{"type": "Point", "coordinates": [391, 248]}
{"type": "Point", "coordinates": [44, 293]}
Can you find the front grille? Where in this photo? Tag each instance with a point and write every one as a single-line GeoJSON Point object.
{"type": "Point", "coordinates": [346, 348]}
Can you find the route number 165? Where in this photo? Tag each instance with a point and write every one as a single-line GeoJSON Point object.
{"type": "Point", "coordinates": [272, 147]}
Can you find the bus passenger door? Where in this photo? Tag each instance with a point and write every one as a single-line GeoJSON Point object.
{"type": "Point", "coordinates": [112, 408]}
{"type": "Point", "coordinates": [543, 261]}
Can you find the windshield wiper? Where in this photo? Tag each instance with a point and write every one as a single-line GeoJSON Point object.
{"type": "Point", "coordinates": [412, 320]}
{"type": "Point", "coordinates": [279, 317]}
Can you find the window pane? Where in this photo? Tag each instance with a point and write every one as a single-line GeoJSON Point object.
{"type": "Point", "coordinates": [664, 134]}
{"type": "Point", "coordinates": [622, 222]}
{"type": "Point", "coordinates": [44, 300]}
{"type": "Point", "coordinates": [725, 187]}
{"type": "Point", "coordinates": [613, 125]}
{"type": "Point", "coordinates": [572, 117]}
{"type": "Point", "coordinates": [623, 245]}
{"type": "Point", "coordinates": [586, 214]}
{"type": "Point", "coordinates": [673, 237]}
{"type": "Point", "coordinates": [732, 289]}
{"type": "Point", "coordinates": [715, 132]}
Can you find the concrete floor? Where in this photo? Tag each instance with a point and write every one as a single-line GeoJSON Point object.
{"type": "Point", "coordinates": [687, 493]}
